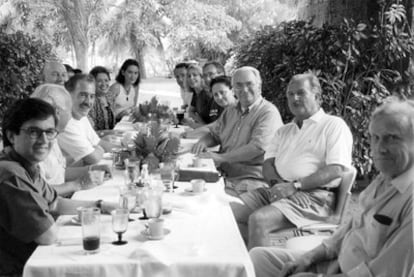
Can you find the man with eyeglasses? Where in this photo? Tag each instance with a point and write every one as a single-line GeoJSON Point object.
{"type": "Point", "coordinates": [243, 132]}
{"type": "Point", "coordinates": [66, 180]}
{"type": "Point", "coordinates": [54, 72]}
{"type": "Point", "coordinates": [79, 142]}
{"type": "Point", "coordinates": [28, 204]}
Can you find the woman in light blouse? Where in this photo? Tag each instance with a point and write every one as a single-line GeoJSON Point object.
{"type": "Point", "coordinates": [124, 93]}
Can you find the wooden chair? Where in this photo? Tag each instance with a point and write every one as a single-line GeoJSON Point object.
{"type": "Point", "coordinates": [306, 237]}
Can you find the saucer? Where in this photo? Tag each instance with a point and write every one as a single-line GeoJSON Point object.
{"type": "Point", "coordinates": [190, 190]}
{"type": "Point", "coordinates": [75, 220]}
{"type": "Point", "coordinates": [148, 236]}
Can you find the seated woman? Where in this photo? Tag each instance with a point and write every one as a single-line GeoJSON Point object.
{"type": "Point", "coordinates": [200, 104]}
{"type": "Point", "coordinates": [101, 113]}
{"type": "Point", "coordinates": [124, 93]}
{"type": "Point", "coordinates": [223, 97]}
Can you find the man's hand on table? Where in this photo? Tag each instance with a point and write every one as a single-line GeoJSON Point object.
{"type": "Point", "coordinates": [103, 167]}
{"type": "Point", "coordinates": [217, 158]}
{"type": "Point", "coordinates": [198, 148]}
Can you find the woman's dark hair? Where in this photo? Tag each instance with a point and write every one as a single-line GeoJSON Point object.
{"type": "Point", "coordinates": [22, 111]}
{"type": "Point", "coordinates": [121, 79]}
{"type": "Point", "coordinates": [99, 69]}
{"type": "Point", "coordinates": [221, 80]}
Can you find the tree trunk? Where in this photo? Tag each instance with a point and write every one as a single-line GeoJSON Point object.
{"type": "Point", "coordinates": [73, 12]}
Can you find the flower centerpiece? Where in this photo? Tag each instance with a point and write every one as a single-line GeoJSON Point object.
{"type": "Point", "coordinates": [156, 145]}
{"type": "Point", "coordinates": [150, 111]}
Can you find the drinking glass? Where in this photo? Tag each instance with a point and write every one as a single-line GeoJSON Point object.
{"type": "Point", "coordinates": [132, 171]}
{"type": "Point", "coordinates": [128, 200]}
{"type": "Point", "coordinates": [175, 110]}
{"type": "Point", "coordinates": [153, 202]}
{"type": "Point", "coordinates": [180, 117]}
{"type": "Point", "coordinates": [167, 175]}
{"type": "Point", "coordinates": [120, 224]}
{"type": "Point", "coordinates": [90, 219]}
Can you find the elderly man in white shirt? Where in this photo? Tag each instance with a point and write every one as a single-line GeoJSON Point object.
{"type": "Point", "coordinates": [305, 161]}
{"type": "Point", "coordinates": [378, 239]}
{"type": "Point", "coordinates": [79, 142]}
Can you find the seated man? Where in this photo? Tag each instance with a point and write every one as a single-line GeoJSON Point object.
{"type": "Point", "coordinates": [378, 239]}
{"type": "Point", "coordinates": [79, 142]}
{"type": "Point", "coordinates": [212, 70]}
{"type": "Point", "coordinates": [243, 132]}
{"type": "Point", "coordinates": [28, 203]}
{"type": "Point", "coordinates": [306, 157]}
{"type": "Point", "coordinates": [223, 96]}
{"type": "Point", "coordinates": [66, 180]}
{"type": "Point", "coordinates": [54, 72]}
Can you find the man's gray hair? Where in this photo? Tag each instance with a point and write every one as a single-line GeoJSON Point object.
{"type": "Point", "coordinates": [312, 79]}
{"type": "Point", "coordinates": [54, 94]}
{"type": "Point", "coordinates": [251, 69]}
{"type": "Point", "coordinates": [403, 110]}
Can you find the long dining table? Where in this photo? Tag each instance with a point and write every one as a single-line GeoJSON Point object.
{"type": "Point", "coordinates": [202, 239]}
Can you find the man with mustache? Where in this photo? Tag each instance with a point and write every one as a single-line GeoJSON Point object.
{"type": "Point", "coordinates": [306, 160]}
{"type": "Point", "coordinates": [79, 142]}
{"type": "Point", "coordinates": [378, 239]}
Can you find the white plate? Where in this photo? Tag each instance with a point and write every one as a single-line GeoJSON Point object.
{"type": "Point", "coordinates": [147, 235]}
{"type": "Point", "coordinates": [190, 190]}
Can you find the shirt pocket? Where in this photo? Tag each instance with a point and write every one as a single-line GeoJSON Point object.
{"type": "Point", "coordinates": [376, 235]}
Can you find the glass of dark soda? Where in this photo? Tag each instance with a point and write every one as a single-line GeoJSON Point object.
{"type": "Point", "coordinates": [91, 226]}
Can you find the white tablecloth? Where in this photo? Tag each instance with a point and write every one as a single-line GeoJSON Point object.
{"type": "Point", "coordinates": [203, 241]}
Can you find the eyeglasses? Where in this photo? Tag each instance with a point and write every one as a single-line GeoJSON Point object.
{"type": "Point", "coordinates": [35, 133]}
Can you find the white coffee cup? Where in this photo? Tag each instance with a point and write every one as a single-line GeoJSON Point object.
{"type": "Point", "coordinates": [156, 228]}
{"type": "Point", "coordinates": [198, 185]}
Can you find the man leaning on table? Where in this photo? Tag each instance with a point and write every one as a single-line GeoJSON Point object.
{"type": "Point", "coordinates": [306, 159]}
{"type": "Point", "coordinates": [79, 142]}
{"type": "Point", "coordinates": [243, 132]}
{"type": "Point", "coordinates": [378, 239]}
{"type": "Point", "coordinates": [66, 180]}
{"type": "Point", "coordinates": [27, 202]}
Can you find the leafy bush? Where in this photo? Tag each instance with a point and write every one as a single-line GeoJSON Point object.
{"type": "Point", "coordinates": [356, 64]}
{"type": "Point", "coordinates": [22, 58]}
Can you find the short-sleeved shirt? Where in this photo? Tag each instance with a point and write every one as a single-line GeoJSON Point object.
{"type": "Point", "coordinates": [202, 102]}
{"type": "Point", "coordinates": [322, 140]}
{"type": "Point", "coordinates": [78, 140]}
{"type": "Point", "coordinates": [25, 203]}
{"type": "Point", "coordinates": [370, 245]}
{"type": "Point", "coordinates": [52, 169]}
{"type": "Point", "coordinates": [256, 127]}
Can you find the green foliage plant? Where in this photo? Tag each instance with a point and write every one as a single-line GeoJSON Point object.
{"type": "Point", "coordinates": [358, 65]}
{"type": "Point", "coordinates": [156, 145]}
{"type": "Point", "coordinates": [22, 58]}
{"type": "Point", "coordinates": [151, 110]}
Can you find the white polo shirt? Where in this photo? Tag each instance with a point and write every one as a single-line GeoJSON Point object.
{"type": "Point", "coordinates": [78, 140]}
{"type": "Point", "coordinates": [323, 140]}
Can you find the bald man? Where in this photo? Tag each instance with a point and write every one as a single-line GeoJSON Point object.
{"type": "Point", "coordinates": [243, 131]}
{"type": "Point", "coordinates": [54, 72]}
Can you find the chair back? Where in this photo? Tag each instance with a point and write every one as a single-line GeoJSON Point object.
{"type": "Point", "coordinates": [342, 193]}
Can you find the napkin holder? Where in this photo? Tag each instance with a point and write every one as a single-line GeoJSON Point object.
{"type": "Point", "coordinates": [186, 174]}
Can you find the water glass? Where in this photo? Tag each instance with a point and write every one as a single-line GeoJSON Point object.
{"type": "Point", "coordinates": [91, 229]}
{"type": "Point", "coordinates": [120, 219]}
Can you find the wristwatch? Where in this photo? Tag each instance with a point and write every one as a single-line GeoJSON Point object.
{"type": "Point", "coordinates": [297, 185]}
{"type": "Point", "coordinates": [98, 204]}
